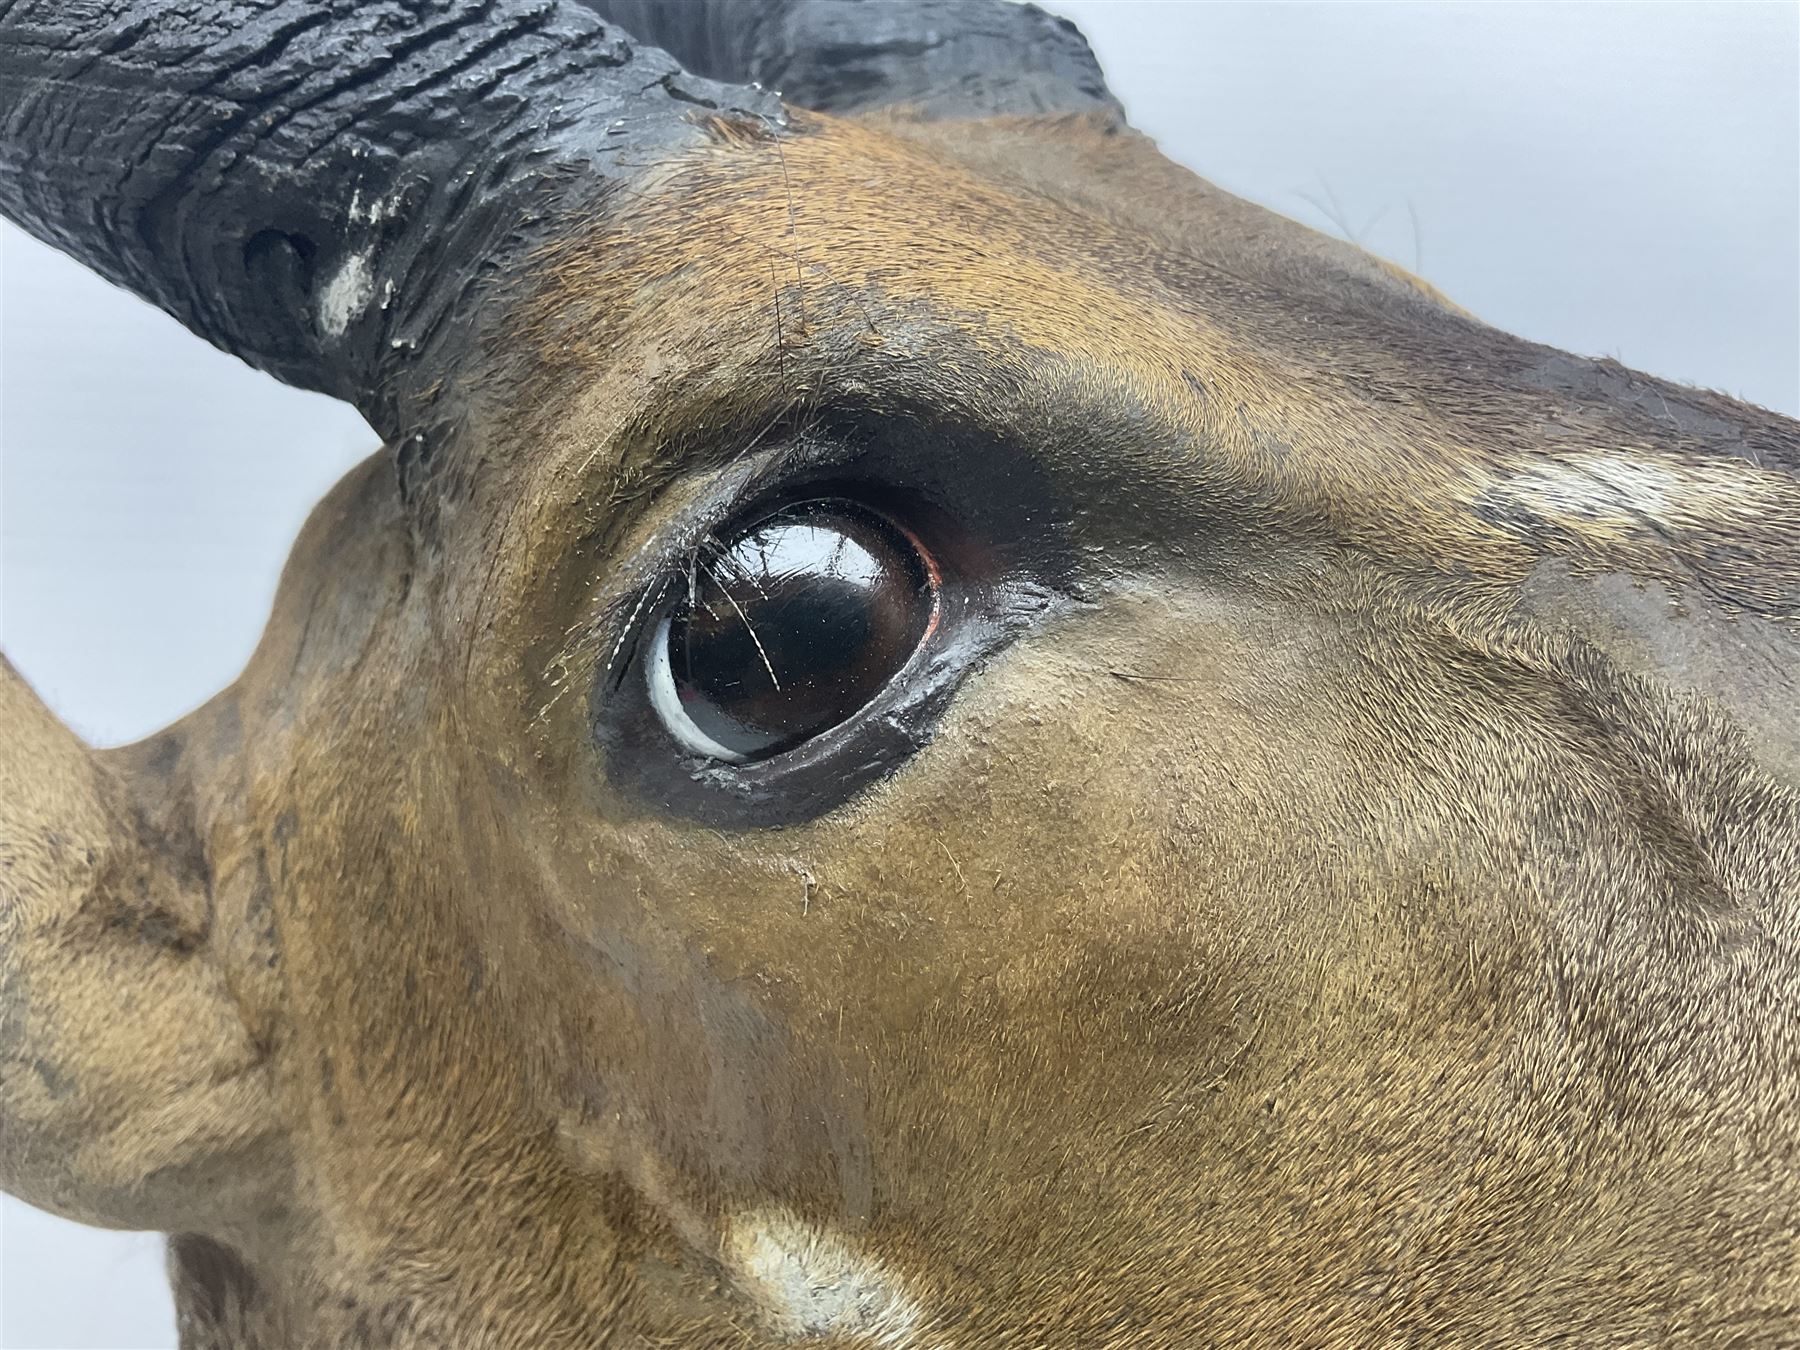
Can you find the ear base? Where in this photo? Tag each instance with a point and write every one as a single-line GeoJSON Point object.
{"type": "Point", "coordinates": [131, 1093]}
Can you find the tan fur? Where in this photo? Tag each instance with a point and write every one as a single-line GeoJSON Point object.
{"type": "Point", "coordinates": [1371, 917]}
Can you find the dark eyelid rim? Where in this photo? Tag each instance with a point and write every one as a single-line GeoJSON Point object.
{"type": "Point", "coordinates": [975, 498]}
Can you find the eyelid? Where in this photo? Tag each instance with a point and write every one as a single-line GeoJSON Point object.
{"type": "Point", "coordinates": [644, 577]}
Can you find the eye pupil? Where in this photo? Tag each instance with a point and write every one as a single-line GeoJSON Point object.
{"type": "Point", "coordinates": [789, 627]}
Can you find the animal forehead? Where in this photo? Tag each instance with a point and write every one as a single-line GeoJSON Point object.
{"type": "Point", "coordinates": [833, 207]}
{"type": "Point", "coordinates": [885, 261]}
{"type": "Point", "coordinates": [844, 254]}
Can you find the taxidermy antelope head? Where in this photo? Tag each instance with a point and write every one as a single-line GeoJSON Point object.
{"type": "Point", "coordinates": [928, 733]}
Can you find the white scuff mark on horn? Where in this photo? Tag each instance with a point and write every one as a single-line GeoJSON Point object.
{"type": "Point", "coordinates": [350, 289]}
{"type": "Point", "coordinates": [373, 211]}
{"type": "Point", "coordinates": [810, 1281]}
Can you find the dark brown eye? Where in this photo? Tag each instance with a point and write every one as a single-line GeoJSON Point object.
{"type": "Point", "coordinates": [787, 627]}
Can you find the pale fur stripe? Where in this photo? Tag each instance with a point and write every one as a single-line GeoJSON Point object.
{"type": "Point", "coordinates": [810, 1281]}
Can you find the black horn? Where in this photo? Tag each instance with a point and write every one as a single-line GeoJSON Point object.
{"type": "Point", "coordinates": [945, 58]}
{"type": "Point", "coordinates": [319, 186]}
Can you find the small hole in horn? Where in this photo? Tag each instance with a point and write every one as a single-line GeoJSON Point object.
{"type": "Point", "coordinates": [279, 263]}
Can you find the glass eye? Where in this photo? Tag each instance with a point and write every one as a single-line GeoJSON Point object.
{"type": "Point", "coordinates": [788, 627]}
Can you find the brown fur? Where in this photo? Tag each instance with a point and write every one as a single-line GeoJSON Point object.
{"type": "Point", "coordinates": [1370, 917]}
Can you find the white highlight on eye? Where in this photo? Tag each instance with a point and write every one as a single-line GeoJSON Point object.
{"type": "Point", "coordinates": [667, 702]}
{"type": "Point", "coordinates": [808, 1281]}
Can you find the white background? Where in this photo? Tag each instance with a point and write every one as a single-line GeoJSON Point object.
{"type": "Point", "coordinates": [1613, 179]}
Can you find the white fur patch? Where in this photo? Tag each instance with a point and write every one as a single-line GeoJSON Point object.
{"type": "Point", "coordinates": [809, 1281]}
{"type": "Point", "coordinates": [1602, 487]}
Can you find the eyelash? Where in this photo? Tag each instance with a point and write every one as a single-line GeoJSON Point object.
{"type": "Point", "coordinates": [626, 616]}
